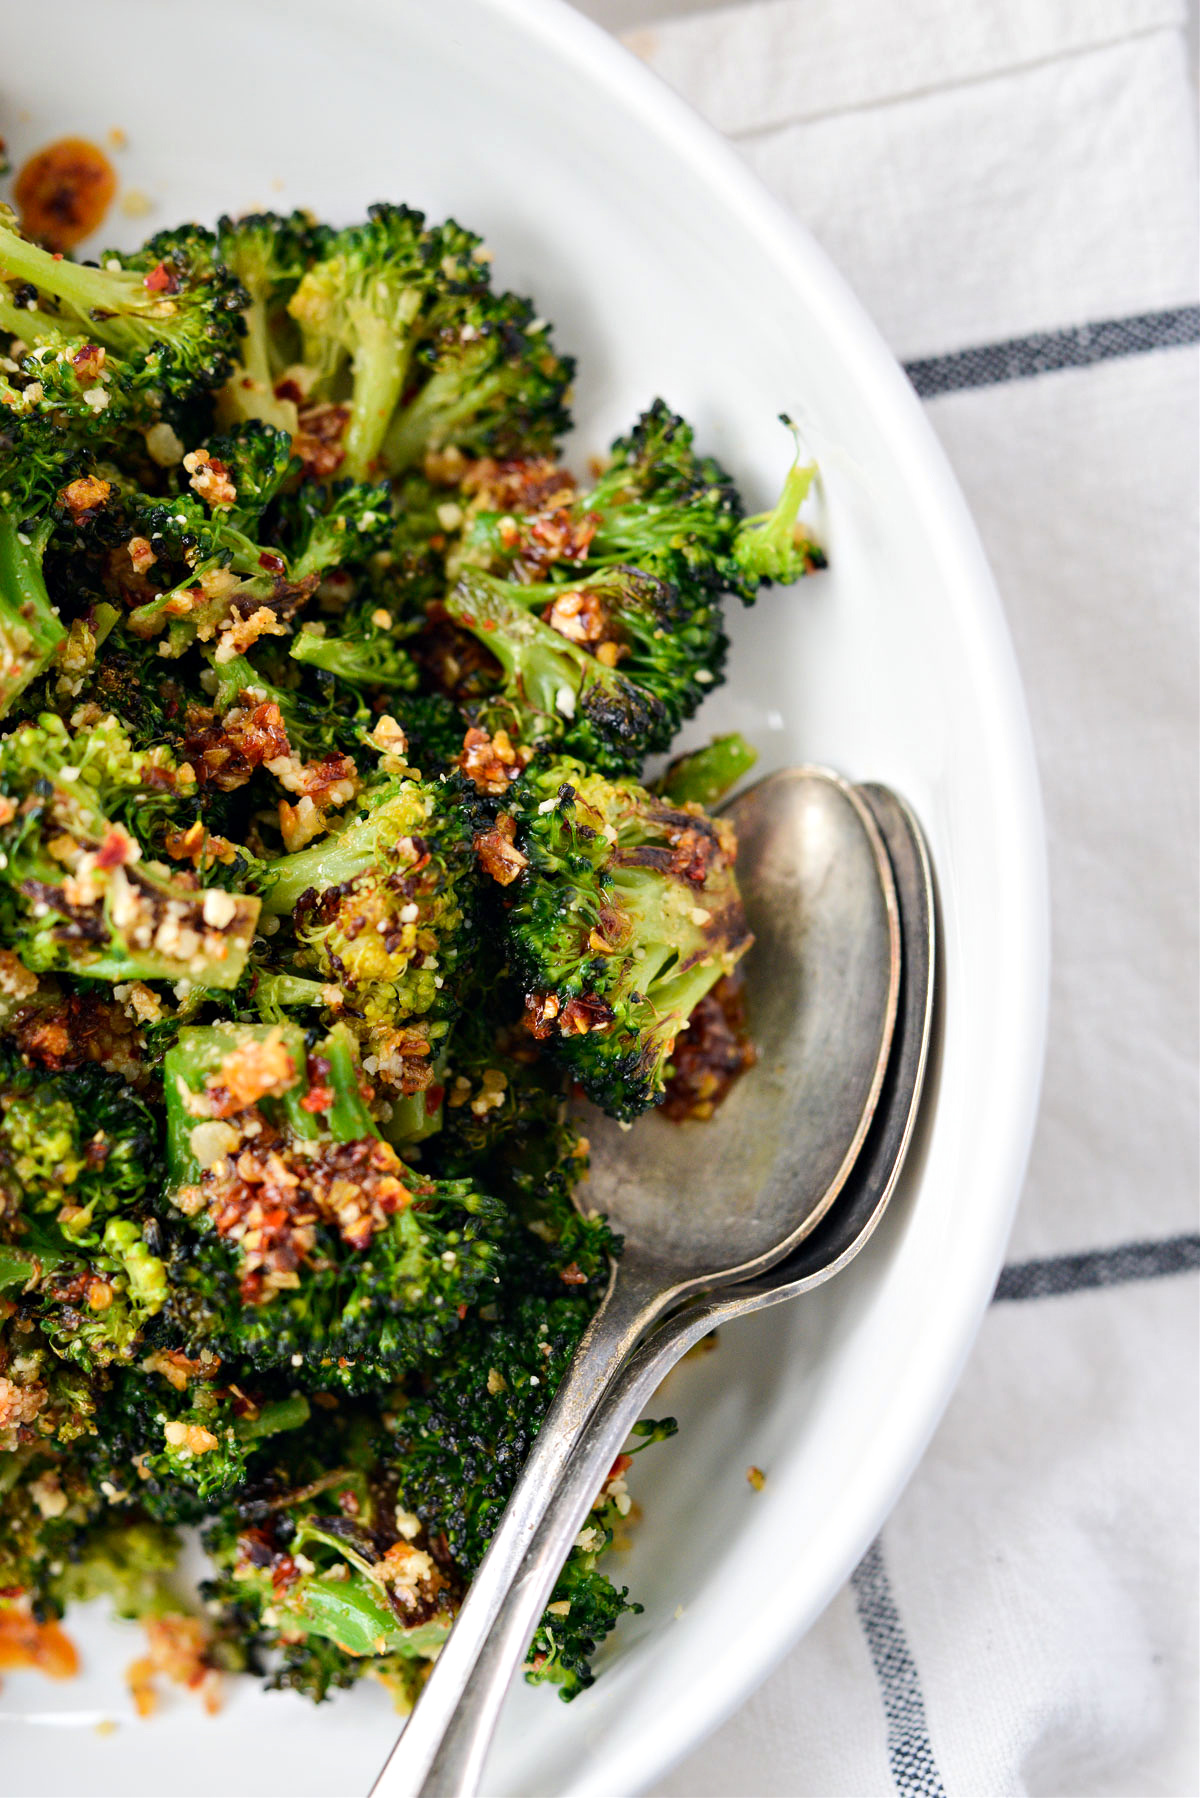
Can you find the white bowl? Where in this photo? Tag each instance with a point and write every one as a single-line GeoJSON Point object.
{"type": "Point", "coordinates": [667, 269]}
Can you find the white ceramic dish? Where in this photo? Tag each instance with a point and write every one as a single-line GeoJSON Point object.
{"type": "Point", "coordinates": [667, 269]}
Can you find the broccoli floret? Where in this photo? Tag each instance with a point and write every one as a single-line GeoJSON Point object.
{"type": "Point", "coordinates": [49, 1501]}
{"type": "Point", "coordinates": [771, 546]}
{"type": "Point", "coordinates": [606, 668]}
{"type": "Point", "coordinates": [78, 1148]}
{"type": "Point", "coordinates": [48, 1400]}
{"type": "Point", "coordinates": [268, 253]}
{"type": "Point", "coordinates": [319, 721]}
{"type": "Point", "coordinates": [77, 894]}
{"type": "Point", "coordinates": [383, 909]}
{"type": "Point", "coordinates": [167, 315]}
{"type": "Point", "coordinates": [396, 305]}
{"type": "Point", "coordinates": [187, 1436]}
{"type": "Point", "coordinates": [657, 505]}
{"type": "Point", "coordinates": [358, 310]}
{"type": "Point", "coordinates": [585, 1606]}
{"type": "Point", "coordinates": [361, 650]}
{"type": "Point", "coordinates": [492, 384]}
{"type": "Point", "coordinates": [78, 1160]}
{"type": "Point", "coordinates": [320, 1549]}
{"type": "Point", "coordinates": [626, 914]}
{"type": "Point", "coordinates": [356, 1256]}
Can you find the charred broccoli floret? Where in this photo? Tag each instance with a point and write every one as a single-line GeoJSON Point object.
{"type": "Point", "coordinates": [381, 912]}
{"type": "Point", "coordinates": [625, 915]}
{"type": "Point", "coordinates": [165, 319]}
{"type": "Point", "coordinates": [492, 383]}
{"type": "Point", "coordinates": [658, 505]}
{"type": "Point", "coordinates": [606, 668]}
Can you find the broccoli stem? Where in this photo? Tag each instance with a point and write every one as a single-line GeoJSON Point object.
{"type": "Point", "coordinates": [768, 547]}
{"type": "Point", "coordinates": [354, 1614]}
{"type": "Point", "coordinates": [276, 993]}
{"type": "Point", "coordinates": [273, 1419]}
{"type": "Point", "coordinates": [358, 662]}
{"type": "Point", "coordinates": [99, 297]}
{"type": "Point", "coordinates": [544, 667]}
{"type": "Point", "coordinates": [328, 863]}
{"type": "Point", "coordinates": [706, 775]}
{"type": "Point", "coordinates": [30, 630]}
{"type": "Point", "coordinates": [381, 356]}
{"type": "Point", "coordinates": [349, 1119]}
{"type": "Point", "coordinates": [433, 417]}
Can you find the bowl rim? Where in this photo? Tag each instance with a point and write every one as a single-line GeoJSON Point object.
{"type": "Point", "coordinates": [598, 57]}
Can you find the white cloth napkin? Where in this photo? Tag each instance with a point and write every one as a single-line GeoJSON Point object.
{"type": "Point", "coordinates": [994, 176]}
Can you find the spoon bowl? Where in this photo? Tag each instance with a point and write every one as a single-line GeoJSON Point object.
{"type": "Point", "coordinates": [714, 1199]}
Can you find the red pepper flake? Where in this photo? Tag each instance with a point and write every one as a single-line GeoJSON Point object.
{"type": "Point", "coordinates": [621, 1465]}
{"type": "Point", "coordinates": [433, 1099]}
{"type": "Point", "coordinates": [317, 1098]}
{"type": "Point", "coordinates": [272, 563]}
{"type": "Point", "coordinates": [571, 1276]}
{"type": "Point", "coordinates": [160, 280]}
{"type": "Point", "coordinates": [114, 850]}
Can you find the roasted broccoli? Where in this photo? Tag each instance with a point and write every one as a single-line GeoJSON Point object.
{"type": "Point", "coordinates": [398, 325]}
{"type": "Point", "coordinates": [314, 1240]}
{"type": "Point", "coordinates": [138, 338]}
{"type": "Point", "coordinates": [78, 894]}
{"type": "Point", "coordinates": [381, 914]}
{"type": "Point", "coordinates": [326, 886]}
{"type": "Point", "coordinates": [624, 915]}
{"type": "Point", "coordinates": [606, 668]}
{"type": "Point", "coordinates": [38, 464]}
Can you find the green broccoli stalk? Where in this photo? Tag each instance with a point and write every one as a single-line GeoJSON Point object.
{"type": "Point", "coordinates": [332, 1560]}
{"type": "Point", "coordinates": [268, 253]}
{"type": "Point", "coordinates": [771, 546]}
{"type": "Point", "coordinates": [77, 894]}
{"type": "Point", "coordinates": [363, 653]}
{"type": "Point", "coordinates": [172, 306]}
{"type": "Point", "coordinates": [626, 914]}
{"type": "Point", "coordinates": [704, 776]}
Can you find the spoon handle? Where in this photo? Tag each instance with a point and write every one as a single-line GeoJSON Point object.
{"type": "Point", "coordinates": [637, 1295]}
{"type": "Point", "coordinates": [457, 1767]}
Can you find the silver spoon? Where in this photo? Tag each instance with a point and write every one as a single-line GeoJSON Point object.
{"type": "Point", "coordinates": [702, 1205]}
{"type": "Point", "coordinates": [838, 1238]}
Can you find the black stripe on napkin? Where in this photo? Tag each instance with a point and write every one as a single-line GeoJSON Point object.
{"type": "Point", "coordinates": [1099, 1267]}
{"type": "Point", "coordinates": [1021, 358]}
{"type": "Point", "coordinates": [910, 1753]}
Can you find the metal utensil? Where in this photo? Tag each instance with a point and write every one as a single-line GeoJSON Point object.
{"type": "Point", "coordinates": [838, 1238]}
{"type": "Point", "coordinates": [701, 1205]}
